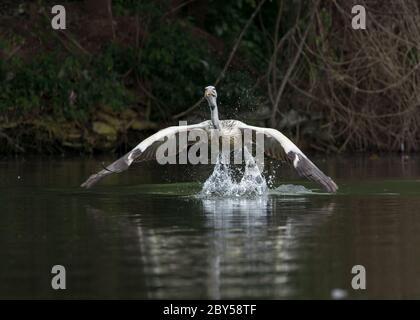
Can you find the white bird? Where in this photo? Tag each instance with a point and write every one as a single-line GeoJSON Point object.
{"type": "Point", "coordinates": [276, 145]}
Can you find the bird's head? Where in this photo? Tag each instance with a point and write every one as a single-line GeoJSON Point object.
{"type": "Point", "coordinates": [211, 95]}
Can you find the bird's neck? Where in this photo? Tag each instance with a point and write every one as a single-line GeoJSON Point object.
{"type": "Point", "coordinates": [215, 118]}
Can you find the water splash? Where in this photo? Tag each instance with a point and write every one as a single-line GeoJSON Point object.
{"type": "Point", "coordinates": [287, 189]}
{"type": "Point", "coordinates": [222, 182]}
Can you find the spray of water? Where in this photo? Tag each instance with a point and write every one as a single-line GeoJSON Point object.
{"type": "Point", "coordinates": [222, 182]}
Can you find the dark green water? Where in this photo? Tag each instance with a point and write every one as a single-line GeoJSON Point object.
{"type": "Point", "coordinates": [141, 235]}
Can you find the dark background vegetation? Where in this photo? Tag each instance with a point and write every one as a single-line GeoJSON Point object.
{"type": "Point", "coordinates": [124, 68]}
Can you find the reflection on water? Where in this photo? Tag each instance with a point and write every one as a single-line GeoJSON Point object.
{"type": "Point", "coordinates": [245, 248]}
{"type": "Point", "coordinates": [124, 240]}
{"type": "Point", "coordinates": [241, 233]}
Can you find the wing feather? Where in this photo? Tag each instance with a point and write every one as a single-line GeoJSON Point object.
{"type": "Point", "coordinates": [146, 150]}
{"type": "Point", "coordinates": [278, 146]}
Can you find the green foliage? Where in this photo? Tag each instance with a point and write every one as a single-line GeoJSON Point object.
{"type": "Point", "coordinates": [65, 86]}
{"type": "Point", "coordinates": [225, 20]}
{"type": "Point", "coordinates": [170, 60]}
{"type": "Point", "coordinates": [178, 70]}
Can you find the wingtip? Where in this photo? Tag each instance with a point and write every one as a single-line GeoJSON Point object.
{"type": "Point", "coordinates": [332, 186]}
{"type": "Point", "coordinates": [84, 185]}
{"type": "Point", "coordinates": [90, 182]}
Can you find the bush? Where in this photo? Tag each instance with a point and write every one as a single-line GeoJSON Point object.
{"type": "Point", "coordinates": [64, 86]}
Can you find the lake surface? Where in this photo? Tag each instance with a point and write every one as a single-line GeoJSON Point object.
{"type": "Point", "coordinates": [145, 234]}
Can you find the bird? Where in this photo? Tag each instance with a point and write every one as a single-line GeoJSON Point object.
{"type": "Point", "coordinates": [276, 146]}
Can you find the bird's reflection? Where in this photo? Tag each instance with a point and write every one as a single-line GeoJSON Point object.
{"type": "Point", "coordinates": [229, 248]}
{"type": "Point", "coordinates": [224, 216]}
{"type": "Point", "coordinates": [257, 238]}
{"type": "Point", "coordinates": [225, 212]}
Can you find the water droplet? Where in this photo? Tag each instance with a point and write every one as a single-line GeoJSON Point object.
{"type": "Point", "coordinates": [338, 294]}
{"type": "Point", "coordinates": [222, 182]}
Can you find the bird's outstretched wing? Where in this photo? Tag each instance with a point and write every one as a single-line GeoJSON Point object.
{"type": "Point", "coordinates": [146, 150]}
{"type": "Point", "coordinates": [278, 146]}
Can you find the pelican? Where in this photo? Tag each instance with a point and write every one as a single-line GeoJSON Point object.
{"type": "Point", "coordinates": [276, 145]}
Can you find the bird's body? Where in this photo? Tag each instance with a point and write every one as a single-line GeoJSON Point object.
{"type": "Point", "coordinates": [228, 134]}
{"type": "Point", "coordinates": [225, 132]}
